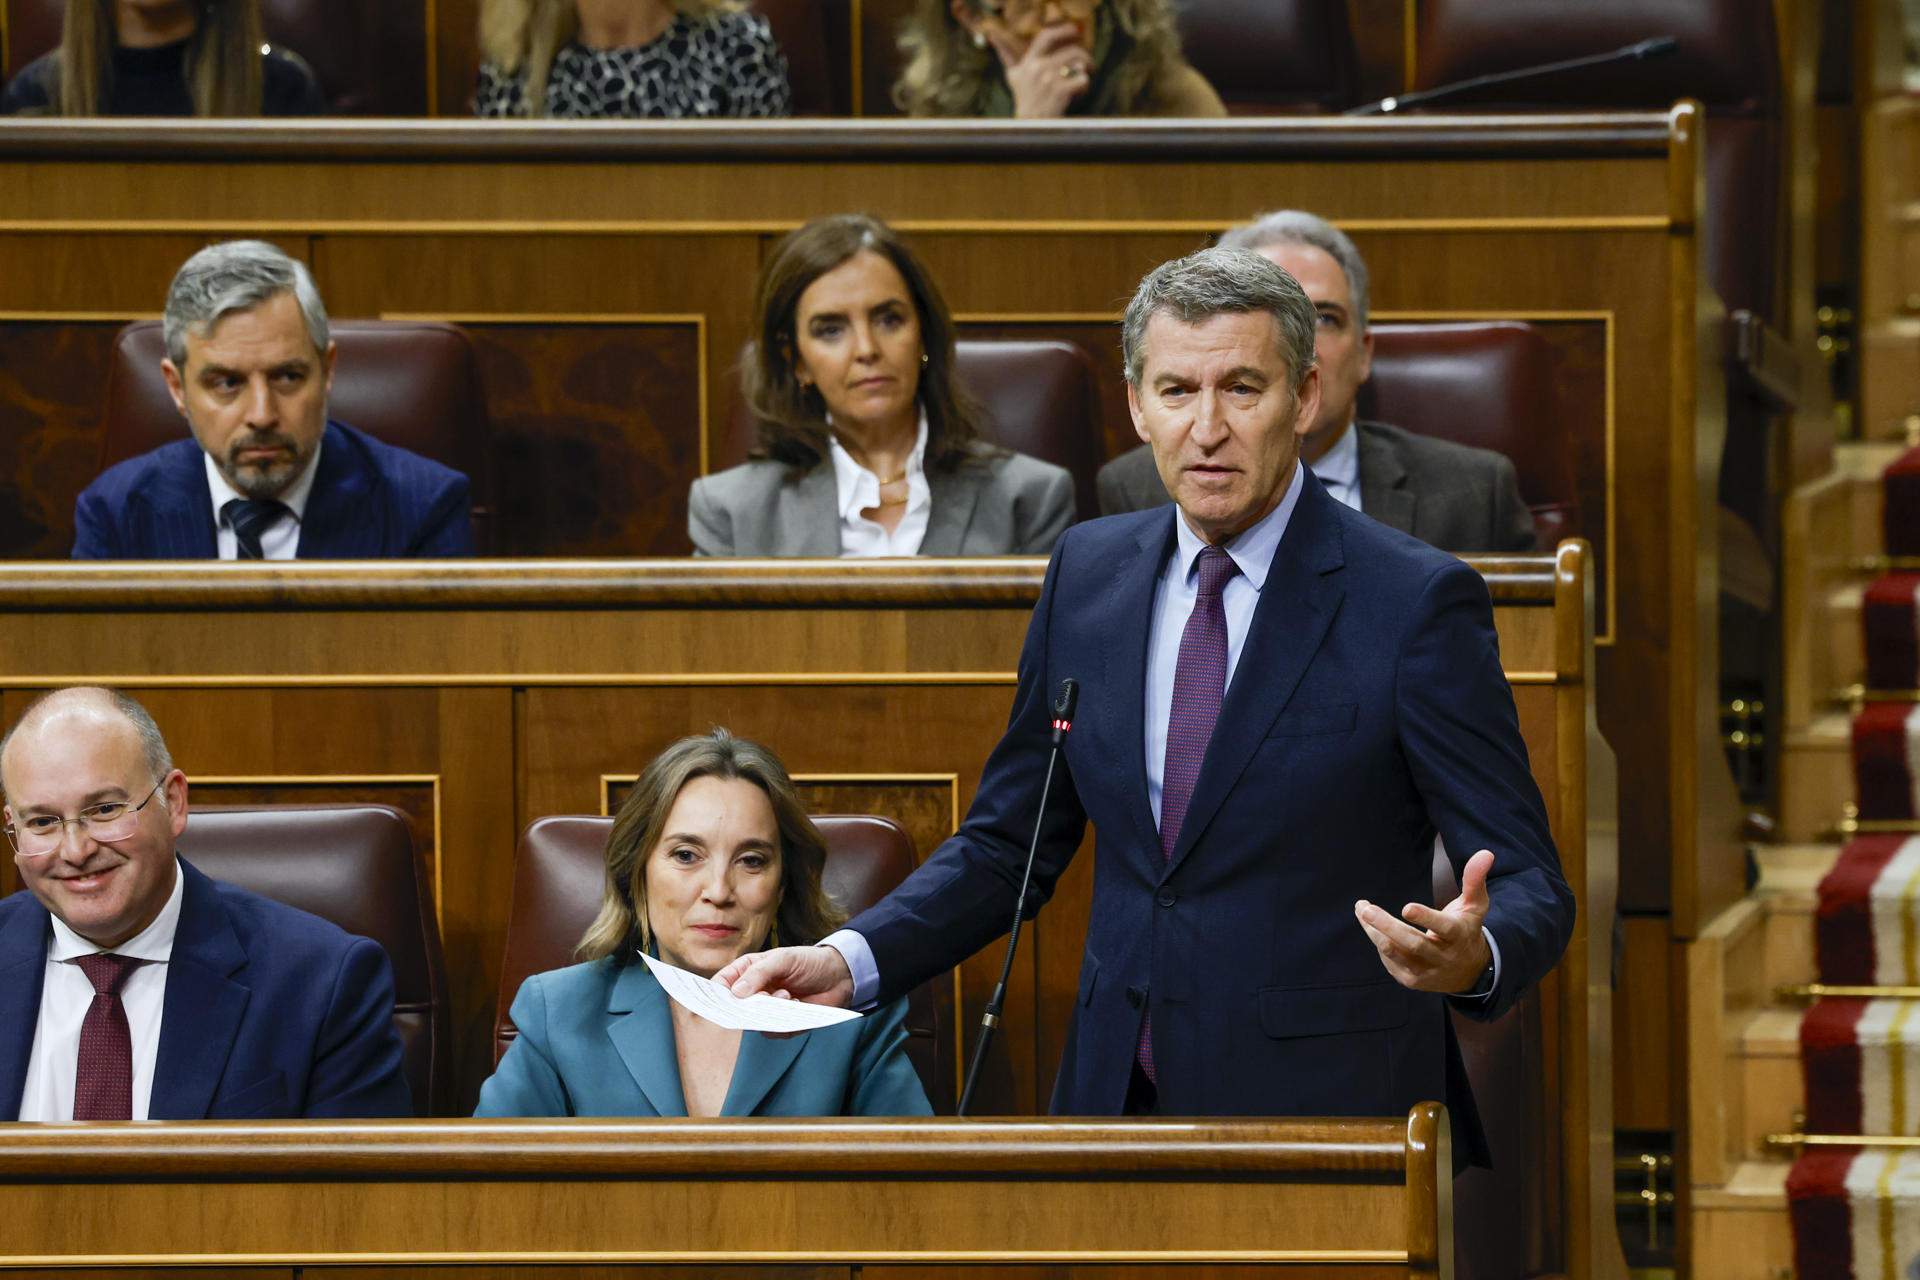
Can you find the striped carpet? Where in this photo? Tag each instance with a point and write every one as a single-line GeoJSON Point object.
{"type": "Point", "coordinates": [1856, 1210]}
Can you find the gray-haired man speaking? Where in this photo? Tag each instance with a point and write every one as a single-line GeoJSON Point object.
{"type": "Point", "coordinates": [266, 475]}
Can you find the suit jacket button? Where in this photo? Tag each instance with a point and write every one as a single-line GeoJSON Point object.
{"type": "Point", "coordinates": [1167, 898]}
{"type": "Point", "coordinates": [1136, 997]}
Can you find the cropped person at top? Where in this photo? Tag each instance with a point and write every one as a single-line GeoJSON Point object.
{"type": "Point", "coordinates": [869, 446]}
{"type": "Point", "coordinates": [712, 857]}
{"type": "Point", "coordinates": [1043, 59]}
{"type": "Point", "coordinates": [632, 59]}
{"type": "Point", "coordinates": [138, 989]}
{"type": "Point", "coordinates": [164, 58]}
{"type": "Point", "coordinates": [265, 475]}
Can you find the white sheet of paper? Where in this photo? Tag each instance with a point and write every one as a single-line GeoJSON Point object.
{"type": "Point", "coordinates": [760, 1012]}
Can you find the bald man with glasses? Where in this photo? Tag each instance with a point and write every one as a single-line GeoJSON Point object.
{"type": "Point", "coordinates": [131, 986]}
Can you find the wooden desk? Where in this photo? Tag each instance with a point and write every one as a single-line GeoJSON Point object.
{"type": "Point", "coordinates": [478, 696]}
{"type": "Point", "coordinates": [1368, 1197]}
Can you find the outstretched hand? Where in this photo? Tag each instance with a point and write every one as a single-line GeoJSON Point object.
{"type": "Point", "coordinates": [817, 975]}
{"type": "Point", "coordinates": [1435, 950]}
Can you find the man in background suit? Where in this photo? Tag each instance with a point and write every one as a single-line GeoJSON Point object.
{"type": "Point", "coordinates": [1448, 495]}
{"type": "Point", "coordinates": [131, 986]}
{"type": "Point", "coordinates": [266, 476]}
{"type": "Point", "coordinates": [1282, 702]}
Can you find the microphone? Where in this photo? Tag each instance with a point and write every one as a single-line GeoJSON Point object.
{"type": "Point", "coordinates": [990, 1017]}
{"type": "Point", "coordinates": [1638, 52]}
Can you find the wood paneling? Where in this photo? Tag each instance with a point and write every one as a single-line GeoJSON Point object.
{"type": "Point", "coordinates": [51, 378]}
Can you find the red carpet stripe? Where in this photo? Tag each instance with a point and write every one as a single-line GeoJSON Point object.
{"type": "Point", "coordinates": [1881, 769]}
{"type": "Point", "coordinates": [1830, 1060]}
{"type": "Point", "coordinates": [1843, 918]}
{"type": "Point", "coordinates": [1892, 632]}
{"type": "Point", "coordinates": [1822, 1222]}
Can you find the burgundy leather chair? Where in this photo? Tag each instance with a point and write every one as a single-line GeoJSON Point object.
{"type": "Point", "coordinates": [354, 865]}
{"type": "Point", "coordinates": [370, 56]}
{"type": "Point", "coordinates": [406, 383]}
{"type": "Point", "coordinates": [1484, 384]}
{"type": "Point", "coordinates": [559, 872]}
{"type": "Point", "coordinates": [1039, 397]}
{"type": "Point", "coordinates": [1272, 57]}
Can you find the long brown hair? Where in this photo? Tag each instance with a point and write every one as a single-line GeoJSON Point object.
{"type": "Point", "coordinates": [223, 58]}
{"type": "Point", "coordinates": [805, 914]}
{"type": "Point", "coordinates": [792, 419]}
{"type": "Point", "coordinates": [946, 71]}
{"type": "Point", "coordinates": [522, 36]}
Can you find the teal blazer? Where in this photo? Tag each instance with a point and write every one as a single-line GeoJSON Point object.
{"type": "Point", "coordinates": [596, 1039]}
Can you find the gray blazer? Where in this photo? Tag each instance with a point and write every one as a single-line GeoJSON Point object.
{"type": "Point", "coordinates": [1450, 496]}
{"type": "Point", "coordinates": [1004, 504]}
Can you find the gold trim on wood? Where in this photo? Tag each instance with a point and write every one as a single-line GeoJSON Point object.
{"type": "Point", "coordinates": [876, 1257]}
{"type": "Point", "coordinates": [1824, 990]}
{"type": "Point", "coordinates": [75, 317]}
{"type": "Point", "coordinates": [544, 680]}
{"type": "Point", "coordinates": [774, 226]}
{"type": "Point", "coordinates": [322, 779]}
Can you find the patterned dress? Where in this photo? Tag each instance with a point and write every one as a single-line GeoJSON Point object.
{"type": "Point", "coordinates": [723, 65]}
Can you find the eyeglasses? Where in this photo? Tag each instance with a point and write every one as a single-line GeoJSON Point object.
{"type": "Point", "coordinates": [1027, 13]}
{"type": "Point", "coordinates": [41, 834]}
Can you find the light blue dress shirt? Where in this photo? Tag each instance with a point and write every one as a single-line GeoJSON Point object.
{"type": "Point", "coordinates": [1252, 550]}
{"type": "Point", "coordinates": [1339, 467]}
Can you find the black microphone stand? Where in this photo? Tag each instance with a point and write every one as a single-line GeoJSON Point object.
{"type": "Point", "coordinates": [1640, 51]}
{"type": "Point", "coordinates": [990, 1016]}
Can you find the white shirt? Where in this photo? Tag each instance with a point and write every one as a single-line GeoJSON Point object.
{"type": "Point", "coordinates": [1339, 467]}
{"type": "Point", "coordinates": [859, 490]}
{"type": "Point", "coordinates": [1252, 550]}
{"type": "Point", "coordinates": [279, 540]}
{"type": "Point", "coordinates": [65, 997]}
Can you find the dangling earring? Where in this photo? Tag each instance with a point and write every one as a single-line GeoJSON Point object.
{"type": "Point", "coordinates": [923, 359]}
{"type": "Point", "coordinates": [979, 40]}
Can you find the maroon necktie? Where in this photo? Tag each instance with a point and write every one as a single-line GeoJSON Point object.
{"type": "Point", "coordinates": [103, 1075]}
{"type": "Point", "coordinates": [1199, 684]}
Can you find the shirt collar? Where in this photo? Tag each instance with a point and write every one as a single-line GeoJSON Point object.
{"type": "Point", "coordinates": [1340, 465]}
{"type": "Point", "coordinates": [858, 487]}
{"type": "Point", "coordinates": [294, 499]}
{"type": "Point", "coordinates": [153, 944]}
{"type": "Point", "coordinates": [1253, 548]}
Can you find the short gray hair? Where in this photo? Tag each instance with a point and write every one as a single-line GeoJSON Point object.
{"type": "Point", "coordinates": [153, 746]}
{"type": "Point", "coordinates": [236, 276]}
{"type": "Point", "coordinates": [1296, 226]}
{"type": "Point", "coordinates": [1216, 282]}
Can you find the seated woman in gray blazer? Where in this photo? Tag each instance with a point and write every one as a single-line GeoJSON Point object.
{"type": "Point", "coordinates": [868, 444]}
{"type": "Point", "coordinates": [711, 856]}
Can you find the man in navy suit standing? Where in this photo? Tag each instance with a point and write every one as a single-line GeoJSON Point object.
{"type": "Point", "coordinates": [1282, 703]}
{"type": "Point", "coordinates": [266, 475]}
{"type": "Point", "coordinates": [134, 988]}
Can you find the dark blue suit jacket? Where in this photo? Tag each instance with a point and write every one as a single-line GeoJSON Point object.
{"type": "Point", "coordinates": [1368, 709]}
{"type": "Point", "coordinates": [369, 501]}
{"type": "Point", "coordinates": [270, 1013]}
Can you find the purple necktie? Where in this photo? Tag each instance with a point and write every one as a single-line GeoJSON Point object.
{"type": "Point", "coordinates": [103, 1072]}
{"type": "Point", "coordinates": [1199, 684]}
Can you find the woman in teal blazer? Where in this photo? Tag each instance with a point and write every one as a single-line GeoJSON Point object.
{"type": "Point", "coordinates": [711, 856]}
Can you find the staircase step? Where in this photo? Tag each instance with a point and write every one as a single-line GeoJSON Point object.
{"type": "Point", "coordinates": [1816, 778]}
{"type": "Point", "coordinates": [1886, 750]}
{"type": "Point", "coordinates": [1855, 1213]}
{"type": "Point", "coordinates": [1741, 1230]}
{"type": "Point", "coordinates": [1790, 876]}
{"type": "Point", "coordinates": [1770, 1077]}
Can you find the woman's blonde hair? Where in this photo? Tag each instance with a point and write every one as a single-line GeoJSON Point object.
{"type": "Point", "coordinates": [223, 58]}
{"type": "Point", "coordinates": [524, 36]}
{"type": "Point", "coordinates": [946, 70]}
{"type": "Point", "coordinates": [805, 913]}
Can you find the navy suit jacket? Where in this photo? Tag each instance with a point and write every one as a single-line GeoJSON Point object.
{"type": "Point", "coordinates": [1368, 710]}
{"type": "Point", "coordinates": [269, 1013]}
{"type": "Point", "coordinates": [369, 501]}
